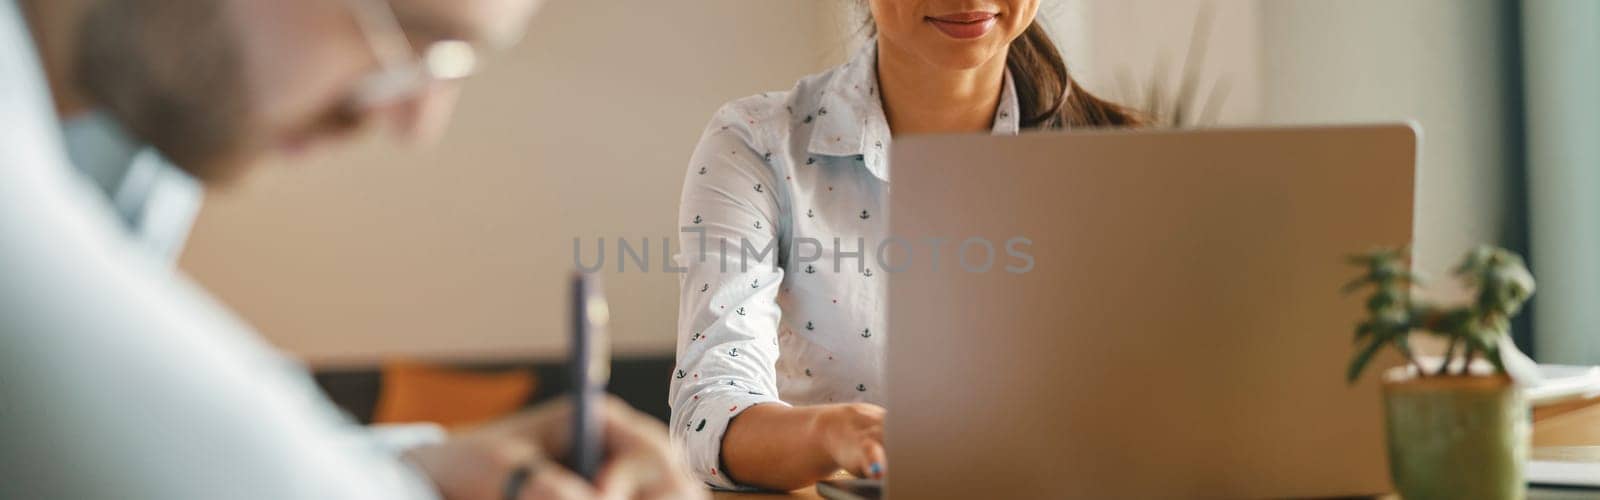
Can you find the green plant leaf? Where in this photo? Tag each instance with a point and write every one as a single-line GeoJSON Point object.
{"type": "Point", "coordinates": [1354, 285]}
{"type": "Point", "coordinates": [1359, 363]}
{"type": "Point", "coordinates": [1474, 262]}
{"type": "Point", "coordinates": [1384, 298]}
{"type": "Point", "coordinates": [1493, 354]}
{"type": "Point", "coordinates": [1365, 329]}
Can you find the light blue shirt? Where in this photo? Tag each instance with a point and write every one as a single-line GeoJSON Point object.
{"type": "Point", "coordinates": [120, 378]}
{"type": "Point", "coordinates": [803, 172]}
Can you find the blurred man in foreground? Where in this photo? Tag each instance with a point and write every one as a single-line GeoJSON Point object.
{"type": "Point", "coordinates": [119, 378]}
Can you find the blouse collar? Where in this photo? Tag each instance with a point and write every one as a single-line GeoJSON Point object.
{"type": "Point", "coordinates": [850, 118]}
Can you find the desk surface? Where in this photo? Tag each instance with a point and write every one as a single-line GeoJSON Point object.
{"type": "Point", "coordinates": [1555, 434]}
{"type": "Point", "coordinates": [811, 494]}
{"type": "Point", "coordinates": [807, 493]}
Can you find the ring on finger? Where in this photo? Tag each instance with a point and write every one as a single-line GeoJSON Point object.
{"type": "Point", "coordinates": [520, 476]}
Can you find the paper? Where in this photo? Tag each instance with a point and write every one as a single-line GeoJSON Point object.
{"type": "Point", "coordinates": [1563, 382]}
{"type": "Point", "coordinates": [1569, 474]}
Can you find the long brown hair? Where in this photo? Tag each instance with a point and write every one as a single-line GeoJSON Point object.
{"type": "Point", "coordinates": [1047, 95]}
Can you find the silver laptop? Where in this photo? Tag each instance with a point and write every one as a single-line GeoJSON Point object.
{"type": "Point", "coordinates": [1175, 329]}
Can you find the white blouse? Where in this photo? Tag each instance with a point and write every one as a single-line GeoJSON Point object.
{"type": "Point", "coordinates": [801, 322]}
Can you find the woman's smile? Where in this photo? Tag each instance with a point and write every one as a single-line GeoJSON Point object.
{"type": "Point", "coordinates": [964, 25]}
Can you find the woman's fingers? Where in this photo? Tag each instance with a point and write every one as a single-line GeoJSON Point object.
{"type": "Point", "coordinates": [877, 460]}
{"type": "Point", "coordinates": [854, 436]}
{"type": "Point", "coordinates": [866, 456]}
{"type": "Point", "coordinates": [554, 482]}
{"type": "Point", "coordinates": [870, 460]}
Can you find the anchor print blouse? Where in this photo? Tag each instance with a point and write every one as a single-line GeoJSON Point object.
{"type": "Point", "coordinates": [804, 322]}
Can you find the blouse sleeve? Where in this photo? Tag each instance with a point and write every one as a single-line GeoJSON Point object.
{"type": "Point", "coordinates": [728, 314]}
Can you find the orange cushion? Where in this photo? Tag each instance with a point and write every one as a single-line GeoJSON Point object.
{"type": "Point", "coordinates": [421, 392]}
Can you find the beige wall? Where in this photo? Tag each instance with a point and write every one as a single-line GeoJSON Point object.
{"type": "Point", "coordinates": [461, 252]}
{"type": "Point", "coordinates": [584, 130]}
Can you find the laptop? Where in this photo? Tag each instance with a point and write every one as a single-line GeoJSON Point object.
{"type": "Point", "coordinates": [1138, 314]}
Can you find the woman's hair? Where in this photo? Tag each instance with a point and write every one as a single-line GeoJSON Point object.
{"type": "Point", "coordinates": [1047, 96]}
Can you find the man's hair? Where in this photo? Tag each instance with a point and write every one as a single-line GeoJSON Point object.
{"type": "Point", "coordinates": [169, 72]}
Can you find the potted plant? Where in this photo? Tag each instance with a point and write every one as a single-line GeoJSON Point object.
{"type": "Point", "coordinates": [1458, 427]}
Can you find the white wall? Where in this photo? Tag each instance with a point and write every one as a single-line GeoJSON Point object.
{"type": "Point", "coordinates": [1117, 48]}
{"type": "Point", "coordinates": [1442, 62]}
{"type": "Point", "coordinates": [461, 252]}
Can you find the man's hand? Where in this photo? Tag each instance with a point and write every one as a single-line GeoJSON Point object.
{"type": "Point", "coordinates": [638, 462]}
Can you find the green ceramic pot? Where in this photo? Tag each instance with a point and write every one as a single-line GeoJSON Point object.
{"type": "Point", "coordinates": [1456, 437]}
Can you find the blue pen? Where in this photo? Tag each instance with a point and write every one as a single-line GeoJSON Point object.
{"type": "Point", "coordinates": [589, 369]}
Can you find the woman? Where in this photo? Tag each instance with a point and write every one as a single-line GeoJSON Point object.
{"type": "Point", "coordinates": [781, 322]}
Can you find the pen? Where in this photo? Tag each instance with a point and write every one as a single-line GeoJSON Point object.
{"type": "Point", "coordinates": [589, 369]}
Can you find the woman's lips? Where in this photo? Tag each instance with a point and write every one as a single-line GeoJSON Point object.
{"type": "Point", "coordinates": [963, 25]}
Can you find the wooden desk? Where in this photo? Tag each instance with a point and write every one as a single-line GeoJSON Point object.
{"type": "Point", "coordinates": [811, 494]}
{"type": "Point", "coordinates": [1572, 423]}
{"type": "Point", "coordinates": [807, 493]}
{"type": "Point", "coordinates": [1573, 431]}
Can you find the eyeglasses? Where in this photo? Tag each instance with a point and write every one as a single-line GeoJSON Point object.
{"type": "Point", "coordinates": [404, 72]}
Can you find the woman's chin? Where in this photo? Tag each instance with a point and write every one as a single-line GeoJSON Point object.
{"type": "Point", "coordinates": [962, 58]}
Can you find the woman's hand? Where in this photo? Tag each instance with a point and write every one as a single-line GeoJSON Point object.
{"type": "Point", "coordinates": [784, 448]}
{"type": "Point", "coordinates": [477, 464]}
{"type": "Point", "coordinates": [852, 434]}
